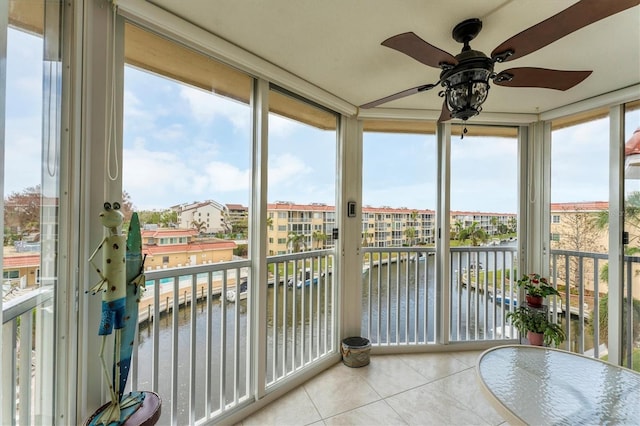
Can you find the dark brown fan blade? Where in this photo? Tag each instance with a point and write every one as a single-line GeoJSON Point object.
{"type": "Point", "coordinates": [398, 95]}
{"type": "Point", "coordinates": [445, 114]}
{"type": "Point", "coordinates": [540, 77]}
{"type": "Point", "coordinates": [412, 45]}
{"type": "Point", "coordinates": [579, 15]}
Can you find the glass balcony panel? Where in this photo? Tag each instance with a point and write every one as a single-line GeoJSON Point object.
{"type": "Point", "coordinates": [579, 225]}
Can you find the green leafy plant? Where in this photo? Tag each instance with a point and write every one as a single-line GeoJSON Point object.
{"type": "Point", "coordinates": [537, 321]}
{"type": "Point", "coordinates": [536, 285]}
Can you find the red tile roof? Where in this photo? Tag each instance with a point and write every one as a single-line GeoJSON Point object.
{"type": "Point", "coordinates": [580, 206]}
{"type": "Point", "coordinates": [188, 248]}
{"type": "Point", "coordinates": [21, 261]}
{"type": "Point", "coordinates": [168, 232]}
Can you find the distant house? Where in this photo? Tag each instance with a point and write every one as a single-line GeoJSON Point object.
{"type": "Point", "coordinates": [174, 248]}
{"type": "Point", "coordinates": [21, 270]}
{"type": "Point", "coordinates": [210, 214]}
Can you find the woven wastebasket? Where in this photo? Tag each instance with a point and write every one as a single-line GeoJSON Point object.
{"type": "Point", "coordinates": [355, 351]}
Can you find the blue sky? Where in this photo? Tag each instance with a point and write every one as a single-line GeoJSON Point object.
{"type": "Point", "coordinates": [182, 144]}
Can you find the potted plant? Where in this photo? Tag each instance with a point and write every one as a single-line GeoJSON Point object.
{"type": "Point", "coordinates": [537, 288]}
{"type": "Point", "coordinates": [536, 325]}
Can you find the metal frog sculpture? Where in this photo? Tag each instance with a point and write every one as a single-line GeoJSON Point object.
{"type": "Point", "coordinates": [121, 278]}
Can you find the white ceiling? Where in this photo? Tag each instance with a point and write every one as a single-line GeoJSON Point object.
{"type": "Point", "coordinates": [335, 45]}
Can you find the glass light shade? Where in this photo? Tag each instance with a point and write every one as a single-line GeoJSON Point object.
{"type": "Point", "coordinates": [466, 92]}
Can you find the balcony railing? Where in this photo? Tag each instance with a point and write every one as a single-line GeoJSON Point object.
{"type": "Point", "coordinates": [27, 323]}
{"type": "Point", "coordinates": [584, 290]}
{"type": "Point", "coordinates": [195, 347]}
{"type": "Point", "coordinates": [301, 317]}
{"type": "Point", "coordinates": [400, 295]}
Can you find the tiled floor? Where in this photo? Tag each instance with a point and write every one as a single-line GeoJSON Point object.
{"type": "Point", "coordinates": [408, 389]}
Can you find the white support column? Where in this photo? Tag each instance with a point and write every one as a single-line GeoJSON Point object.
{"type": "Point", "coordinates": [101, 180]}
{"type": "Point", "coordinates": [616, 227]}
{"type": "Point", "coordinates": [349, 187]}
{"type": "Point", "coordinates": [258, 240]}
{"type": "Point", "coordinates": [535, 188]}
{"type": "Point", "coordinates": [442, 272]}
{"type": "Point", "coordinates": [5, 406]}
{"type": "Point", "coordinates": [67, 289]}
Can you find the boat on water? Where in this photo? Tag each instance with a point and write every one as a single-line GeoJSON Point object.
{"type": "Point", "coordinates": [232, 296]}
{"type": "Point", "coordinates": [304, 279]}
{"type": "Point", "coordinates": [573, 310]}
{"type": "Point", "coordinates": [506, 300]}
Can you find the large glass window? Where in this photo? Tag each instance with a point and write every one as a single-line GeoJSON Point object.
{"type": "Point", "coordinates": [483, 232]}
{"type": "Point", "coordinates": [187, 173]}
{"type": "Point", "coordinates": [579, 235]}
{"type": "Point", "coordinates": [631, 272]}
{"type": "Point", "coordinates": [399, 193]}
{"type": "Point", "coordinates": [31, 172]}
{"type": "Point", "coordinates": [301, 187]}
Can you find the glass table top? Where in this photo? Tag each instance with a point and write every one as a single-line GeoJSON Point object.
{"type": "Point", "coordinates": [537, 385]}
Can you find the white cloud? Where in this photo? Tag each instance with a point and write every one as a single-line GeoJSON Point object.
{"type": "Point", "coordinates": [287, 169]}
{"type": "Point", "coordinates": [281, 127]}
{"type": "Point", "coordinates": [205, 107]}
{"type": "Point", "coordinates": [158, 179]}
{"type": "Point", "coordinates": [226, 177]}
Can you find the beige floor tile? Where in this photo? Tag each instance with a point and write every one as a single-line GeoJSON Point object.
{"type": "Point", "coordinates": [389, 375]}
{"type": "Point", "coordinates": [428, 405]}
{"type": "Point", "coordinates": [469, 358]}
{"type": "Point", "coordinates": [294, 408]}
{"type": "Point", "coordinates": [339, 389]}
{"type": "Point", "coordinates": [464, 387]}
{"type": "Point", "coordinates": [433, 366]}
{"type": "Point", "coordinates": [376, 413]}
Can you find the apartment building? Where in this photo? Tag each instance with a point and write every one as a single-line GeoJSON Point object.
{"type": "Point", "coordinates": [315, 222]}
{"type": "Point", "coordinates": [207, 217]}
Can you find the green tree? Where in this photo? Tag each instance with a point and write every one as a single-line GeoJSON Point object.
{"type": "Point", "coordinates": [241, 227]}
{"type": "Point", "coordinates": [241, 250]}
{"type": "Point", "coordinates": [319, 237]}
{"type": "Point", "coordinates": [631, 221]}
{"type": "Point", "coordinates": [410, 234]}
{"type": "Point", "coordinates": [603, 321]}
{"type": "Point", "coordinates": [474, 233]}
{"type": "Point", "coordinates": [458, 226]}
{"type": "Point", "coordinates": [494, 225]}
{"type": "Point", "coordinates": [297, 242]}
{"type": "Point", "coordinates": [168, 218]}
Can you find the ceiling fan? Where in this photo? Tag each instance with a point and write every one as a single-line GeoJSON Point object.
{"type": "Point", "coordinates": [465, 77]}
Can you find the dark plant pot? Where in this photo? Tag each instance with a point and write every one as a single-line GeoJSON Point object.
{"type": "Point", "coordinates": [535, 339]}
{"type": "Point", "coordinates": [534, 301]}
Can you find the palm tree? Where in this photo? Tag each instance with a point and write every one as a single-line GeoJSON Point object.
{"type": "Point", "coordinates": [410, 233]}
{"type": "Point", "coordinates": [474, 233]}
{"type": "Point", "coordinates": [631, 221]}
{"type": "Point", "coordinates": [494, 225]}
{"type": "Point", "coordinates": [297, 242]}
{"type": "Point", "coordinates": [318, 237]}
{"type": "Point", "coordinates": [269, 222]}
{"type": "Point", "coordinates": [457, 229]}
{"type": "Point", "coordinates": [199, 225]}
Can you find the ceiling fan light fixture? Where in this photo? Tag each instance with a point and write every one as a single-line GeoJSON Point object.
{"type": "Point", "coordinates": [466, 91]}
